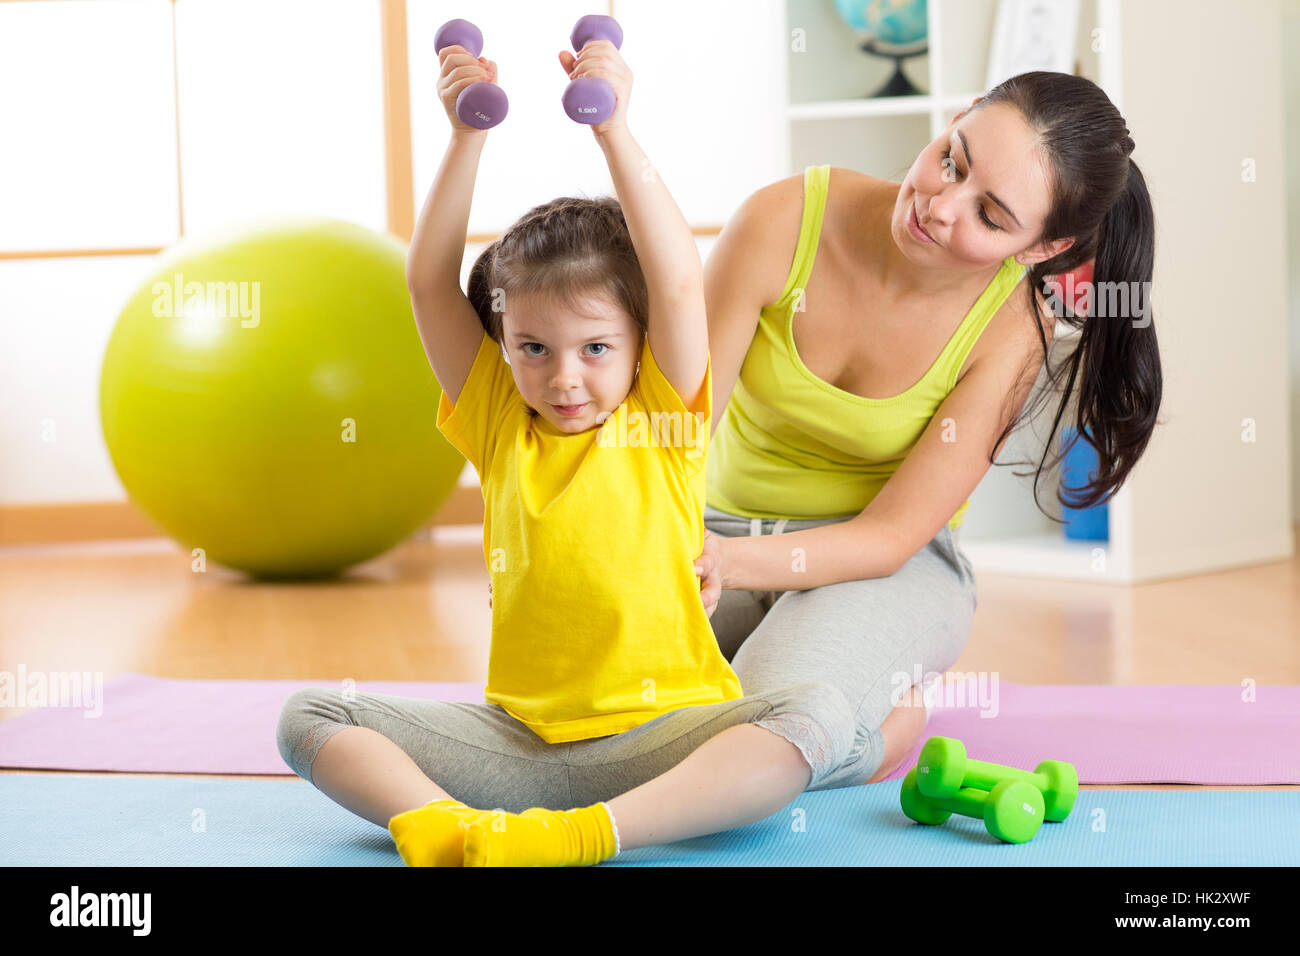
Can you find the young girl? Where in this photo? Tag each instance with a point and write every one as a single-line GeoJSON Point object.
{"type": "Point", "coordinates": [575, 379]}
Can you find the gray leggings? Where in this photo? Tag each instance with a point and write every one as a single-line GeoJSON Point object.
{"type": "Point", "coordinates": [821, 668]}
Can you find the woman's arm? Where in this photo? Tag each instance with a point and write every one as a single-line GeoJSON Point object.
{"type": "Point", "coordinates": [746, 271]}
{"type": "Point", "coordinates": [846, 551]}
{"type": "Point", "coordinates": [916, 502]}
{"type": "Point", "coordinates": [449, 327]}
{"type": "Point", "coordinates": [665, 248]}
{"type": "Point", "coordinates": [851, 550]}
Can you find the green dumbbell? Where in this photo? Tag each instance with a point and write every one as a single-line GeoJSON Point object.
{"type": "Point", "coordinates": [1012, 811]}
{"type": "Point", "coordinates": [943, 769]}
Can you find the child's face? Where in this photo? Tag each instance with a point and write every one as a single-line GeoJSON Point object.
{"type": "Point", "coordinates": [561, 358]}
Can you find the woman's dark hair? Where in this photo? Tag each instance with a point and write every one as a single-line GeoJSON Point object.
{"type": "Point", "coordinates": [1100, 198]}
{"type": "Point", "coordinates": [568, 248]}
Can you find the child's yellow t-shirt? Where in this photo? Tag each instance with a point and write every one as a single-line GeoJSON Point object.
{"type": "Point", "coordinates": [590, 541]}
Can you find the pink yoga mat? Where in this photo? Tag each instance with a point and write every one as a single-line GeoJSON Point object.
{"type": "Point", "coordinates": [1166, 733]}
{"type": "Point", "coordinates": [163, 725]}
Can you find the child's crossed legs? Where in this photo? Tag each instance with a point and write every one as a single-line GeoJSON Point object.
{"type": "Point", "coordinates": [687, 773]}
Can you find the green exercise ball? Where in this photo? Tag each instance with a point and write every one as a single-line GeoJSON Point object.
{"type": "Point", "coordinates": [265, 397]}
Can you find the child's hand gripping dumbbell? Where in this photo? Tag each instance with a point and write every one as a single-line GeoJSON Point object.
{"type": "Point", "coordinates": [589, 98]}
{"type": "Point", "coordinates": [468, 81]}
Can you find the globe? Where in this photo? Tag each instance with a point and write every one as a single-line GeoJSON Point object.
{"type": "Point", "coordinates": [889, 28]}
{"type": "Point", "coordinates": [893, 23]}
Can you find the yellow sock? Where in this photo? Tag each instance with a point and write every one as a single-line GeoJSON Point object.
{"type": "Point", "coordinates": [434, 834]}
{"type": "Point", "coordinates": [538, 837]}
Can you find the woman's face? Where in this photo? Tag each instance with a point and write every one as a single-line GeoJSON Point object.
{"type": "Point", "coordinates": [573, 368]}
{"type": "Point", "coordinates": [979, 191]}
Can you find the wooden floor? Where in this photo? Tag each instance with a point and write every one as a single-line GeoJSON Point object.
{"type": "Point", "coordinates": [420, 612]}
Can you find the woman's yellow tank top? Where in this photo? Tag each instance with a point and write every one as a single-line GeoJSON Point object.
{"type": "Point", "coordinates": [791, 445]}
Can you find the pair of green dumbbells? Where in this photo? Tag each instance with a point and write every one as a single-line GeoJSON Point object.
{"type": "Point", "coordinates": [1012, 802]}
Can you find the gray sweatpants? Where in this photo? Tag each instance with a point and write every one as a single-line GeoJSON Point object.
{"type": "Point", "coordinates": [821, 668]}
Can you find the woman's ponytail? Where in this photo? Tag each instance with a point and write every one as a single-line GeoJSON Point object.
{"type": "Point", "coordinates": [1121, 384]}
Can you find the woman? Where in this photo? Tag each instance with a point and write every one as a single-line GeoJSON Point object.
{"type": "Point", "coordinates": [838, 439]}
{"type": "Point", "coordinates": [842, 413]}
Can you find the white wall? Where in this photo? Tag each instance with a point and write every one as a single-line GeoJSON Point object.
{"type": "Point", "coordinates": [1290, 39]}
{"type": "Point", "coordinates": [1205, 493]}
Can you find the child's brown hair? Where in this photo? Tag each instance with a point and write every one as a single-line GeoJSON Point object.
{"type": "Point", "coordinates": [566, 248]}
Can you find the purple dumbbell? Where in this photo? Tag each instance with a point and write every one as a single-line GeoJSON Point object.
{"type": "Point", "coordinates": [481, 105]}
{"type": "Point", "coordinates": [589, 99]}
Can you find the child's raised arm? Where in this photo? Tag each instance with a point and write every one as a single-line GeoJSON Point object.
{"type": "Point", "coordinates": [679, 331]}
{"type": "Point", "coordinates": [449, 327]}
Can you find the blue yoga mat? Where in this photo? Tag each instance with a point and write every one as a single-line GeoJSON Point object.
{"type": "Point", "coordinates": [109, 820]}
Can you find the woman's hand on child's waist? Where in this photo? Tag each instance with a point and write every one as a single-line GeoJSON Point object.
{"type": "Point", "coordinates": [709, 567]}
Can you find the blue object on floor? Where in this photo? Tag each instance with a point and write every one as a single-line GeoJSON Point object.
{"type": "Point", "coordinates": [118, 820]}
{"type": "Point", "coordinates": [1078, 468]}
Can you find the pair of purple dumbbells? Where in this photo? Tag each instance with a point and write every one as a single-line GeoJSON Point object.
{"type": "Point", "coordinates": [587, 99]}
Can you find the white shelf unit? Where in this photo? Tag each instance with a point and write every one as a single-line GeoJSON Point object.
{"type": "Point", "coordinates": [1200, 499]}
